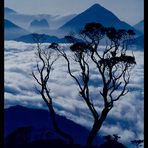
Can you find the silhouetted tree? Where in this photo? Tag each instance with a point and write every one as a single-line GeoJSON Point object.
{"type": "Point", "coordinates": [137, 143]}
{"type": "Point", "coordinates": [113, 65]}
{"type": "Point", "coordinates": [112, 142]}
{"type": "Point", "coordinates": [46, 58]}
{"type": "Point", "coordinates": [116, 137]}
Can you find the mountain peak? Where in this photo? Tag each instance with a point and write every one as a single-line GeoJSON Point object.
{"type": "Point", "coordinates": [96, 5]}
{"type": "Point", "coordinates": [42, 22]}
{"type": "Point", "coordinates": [95, 13]}
{"type": "Point", "coordinates": [97, 8]}
{"type": "Point", "coordinates": [37, 25]}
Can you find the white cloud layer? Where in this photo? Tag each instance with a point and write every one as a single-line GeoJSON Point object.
{"type": "Point", "coordinates": [125, 119]}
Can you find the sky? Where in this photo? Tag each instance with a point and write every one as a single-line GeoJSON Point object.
{"type": "Point", "coordinates": [131, 11]}
{"type": "Point", "coordinates": [125, 119]}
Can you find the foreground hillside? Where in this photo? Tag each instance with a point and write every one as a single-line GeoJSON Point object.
{"type": "Point", "coordinates": [31, 128]}
{"type": "Point", "coordinates": [40, 120]}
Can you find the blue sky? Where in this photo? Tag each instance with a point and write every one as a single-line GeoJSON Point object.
{"type": "Point", "coordinates": [130, 11]}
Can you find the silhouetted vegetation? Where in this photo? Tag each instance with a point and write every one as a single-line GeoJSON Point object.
{"type": "Point", "coordinates": [112, 142]}
{"type": "Point", "coordinates": [23, 137]}
{"type": "Point", "coordinates": [44, 67]}
{"type": "Point", "coordinates": [113, 65]}
{"type": "Point", "coordinates": [137, 143]}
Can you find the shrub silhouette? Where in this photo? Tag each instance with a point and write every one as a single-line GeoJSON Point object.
{"type": "Point", "coordinates": [112, 142]}
{"type": "Point", "coordinates": [137, 143]}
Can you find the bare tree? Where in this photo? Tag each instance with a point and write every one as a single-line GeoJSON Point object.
{"type": "Point", "coordinates": [113, 64]}
{"type": "Point", "coordinates": [45, 59]}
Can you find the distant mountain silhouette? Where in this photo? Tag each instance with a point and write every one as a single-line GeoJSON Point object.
{"type": "Point", "coordinates": [63, 25]}
{"type": "Point", "coordinates": [32, 128]}
{"type": "Point", "coordinates": [139, 42]}
{"type": "Point", "coordinates": [39, 120]}
{"type": "Point", "coordinates": [95, 13]}
{"type": "Point", "coordinates": [24, 20]}
{"type": "Point", "coordinates": [8, 11]}
{"type": "Point", "coordinates": [46, 38]}
{"type": "Point", "coordinates": [140, 26]}
{"type": "Point", "coordinates": [37, 25]}
{"type": "Point", "coordinates": [12, 31]}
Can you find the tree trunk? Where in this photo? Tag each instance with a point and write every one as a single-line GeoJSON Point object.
{"type": "Point", "coordinates": [58, 130]}
{"type": "Point", "coordinates": [96, 127]}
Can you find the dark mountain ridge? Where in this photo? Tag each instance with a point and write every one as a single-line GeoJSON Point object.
{"type": "Point", "coordinates": [20, 116]}
{"type": "Point", "coordinates": [95, 13]}
{"type": "Point", "coordinates": [27, 128]}
{"type": "Point", "coordinates": [12, 31]}
{"type": "Point", "coordinates": [140, 26]}
{"type": "Point", "coordinates": [44, 38]}
{"type": "Point", "coordinates": [9, 11]}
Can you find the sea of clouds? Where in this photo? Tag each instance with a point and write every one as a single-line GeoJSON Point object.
{"type": "Point", "coordinates": [126, 118]}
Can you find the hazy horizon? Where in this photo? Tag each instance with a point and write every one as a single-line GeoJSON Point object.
{"type": "Point", "coordinates": [124, 10]}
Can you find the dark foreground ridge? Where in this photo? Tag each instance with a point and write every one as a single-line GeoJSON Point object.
{"type": "Point", "coordinates": [32, 128]}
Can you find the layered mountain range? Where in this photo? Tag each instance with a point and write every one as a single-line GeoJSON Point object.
{"type": "Point", "coordinates": [24, 20]}
{"type": "Point", "coordinates": [12, 31]}
{"type": "Point", "coordinates": [43, 24]}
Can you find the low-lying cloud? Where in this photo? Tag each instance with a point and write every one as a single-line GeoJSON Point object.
{"type": "Point", "coordinates": [125, 119]}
